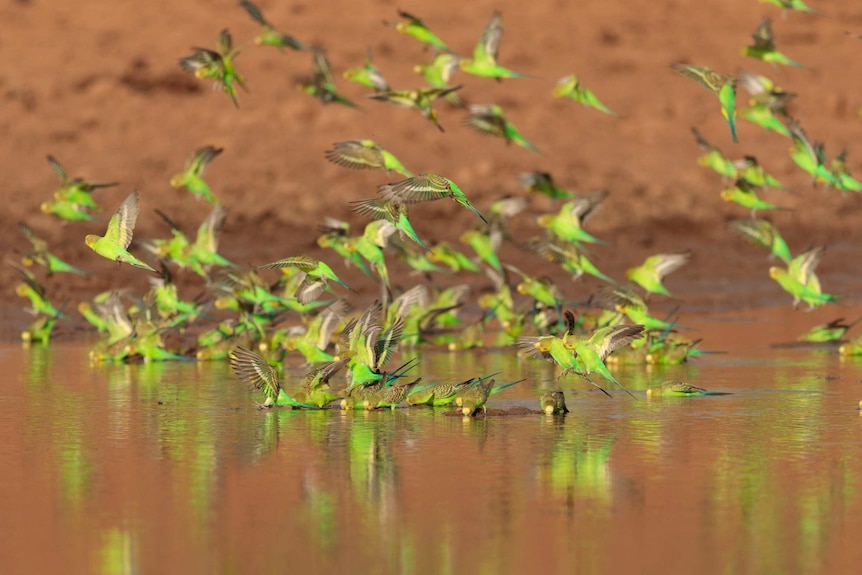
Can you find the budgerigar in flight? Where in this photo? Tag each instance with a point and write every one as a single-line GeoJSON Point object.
{"type": "Point", "coordinates": [491, 120]}
{"type": "Point", "coordinates": [392, 211]}
{"type": "Point", "coordinates": [438, 73]}
{"type": "Point", "coordinates": [420, 99]}
{"type": "Point", "coordinates": [743, 193]}
{"type": "Point", "coordinates": [798, 5]}
{"type": "Point", "coordinates": [722, 85]}
{"type": "Point", "coordinates": [543, 183]}
{"type": "Point", "coordinates": [484, 60]}
{"type": "Point", "coordinates": [713, 158]}
{"type": "Point", "coordinates": [75, 190]}
{"type": "Point", "coordinates": [570, 87]}
{"type": "Point", "coordinates": [317, 272]}
{"type": "Point", "coordinates": [800, 281]}
{"type": "Point", "coordinates": [113, 245]}
{"type": "Point", "coordinates": [762, 233]}
{"type": "Point", "coordinates": [368, 75]}
{"type": "Point", "coordinates": [269, 36]}
{"type": "Point", "coordinates": [364, 155]}
{"type": "Point", "coordinates": [413, 26]}
{"type": "Point", "coordinates": [322, 83]}
{"type": "Point", "coordinates": [427, 188]}
{"type": "Point", "coordinates": [192, 175]}
{"type": "Point", "coordinates": [216, 65]}
{"type": "Point", "coordinates": [649, 275]}
{"type": "Point", "coordinates": [40, 255]}
{"type": "Point", "coordinates": [257, 372]}
{"type": "Point", "coordinates": [764, 46]}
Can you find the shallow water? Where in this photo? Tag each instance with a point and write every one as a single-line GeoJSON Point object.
{"type": "Point", "coordinates": [172, 468]}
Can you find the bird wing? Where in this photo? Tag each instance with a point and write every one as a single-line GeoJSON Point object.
{"type": "Point", "coordinates": [421, 188]}
{"type": "Point", "coordinates": [254, 12]}
{"type": "Point", "coordinates": [355, 155]}
{"type": "Point", "coordinates": [607, 339]}
{"type": "Point", "coordinates": [254, 370]}
{"type": "Point", "coordinates": [763, 38]}
{"type": "Point", "coordinates": [122, 224]}
{"type": "Point", "coordinates": [210, 228]}
{"type": "Point", "coordinates": [489, 42]}
{"type": "Point", "coordinates": [303, 263]}
{"type": "Point", "coordinates": [201, 158]}
{"type": "Point", "coordinates": [668, 263]}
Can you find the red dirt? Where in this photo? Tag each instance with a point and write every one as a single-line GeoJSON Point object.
{"type": "Point", "coordinates": [98, 86]}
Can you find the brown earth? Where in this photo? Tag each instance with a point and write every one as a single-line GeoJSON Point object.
{"type": "Point", "coordinates": [97, 85]}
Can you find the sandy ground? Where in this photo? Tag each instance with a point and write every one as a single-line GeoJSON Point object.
{"type": "Point", "coordinates": [98, 86]}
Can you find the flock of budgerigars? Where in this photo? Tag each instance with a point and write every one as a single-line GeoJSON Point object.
{"type": "Point", "coordinates": [521, 310]}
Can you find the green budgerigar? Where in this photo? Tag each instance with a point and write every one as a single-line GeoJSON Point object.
{"type": "Point", "coordinates": [800, 280]}
{"type": "Point", "coordinates": [414, 27]}
{"type": "Point", "coordinates": [368, 75]}
{"type": "Point", "coordinates": [675, 388]}
{"type": "Point", "coordinates": [364, 155]}
{"type": "Point", "coordinates": [317, 275]}
{"type": "Point", "coordinates": [743, 193]}
{"type": "Point", "coordinates": [438, 73]}
{"type": "Point", "coordinates": [216, 65]}
{"type": "Point", "coordinates": [40, 255]}
{"type": "Point", "coordinates": [322, 82]}
{"type": "Point", "coordinates": [113, 245]}
{"type": "Point", "coordinates": [484, 60]}
{"type": "Point", "coordinates": [491, 120]}
{"type": "Point", "coordinates": [192, 175]}
{"type": "Point", "coordinates": [722, 85]}
{"type": "Point", "coordinates": [649, 275]}
{"type": "Point", "coordinates": [427, 188]}
{"type": "Point", "coordinates": [764, 46]}
{"type": "Point", "coordinates": [421, 99]}
{"type": "Point", "coordinates": [570, 87]}
{"type": "Point", "coordinates": [268, 35]}
{"type": "Point", "coordinates": [798, 5]}
{"type": "Point", "coordinates": [392, 211]}
{"type": "Point", "coordinates": [762, 233]}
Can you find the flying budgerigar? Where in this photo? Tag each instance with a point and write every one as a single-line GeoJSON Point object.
{"type": "Point", "coordinates": [764, 46]}
{"type": "Point", "coordinates": [364, 155]}
{"type": "Point", "coordinates": [484, 60]}
{"type": "Point", "coordinates": [427, 188]}
{"type": "Point", "coordinates": [216, 65]}
{"type": "Point", "coordinates": [491, 120]}
{"type": "Point", "coordinates": [722, 85]}
{"type": "Point", "coordinates": [570, 87]}
{"type": "Point", "coordinates": [368, 75]}
{"type": "Point", "coordinates": [192, 175]}
{"type": "Point", "coordinates": [322, 82]}
{"type": "Point", "coordinates": [421, 99]}
{"type": "Point", "coordinates": [268, 35]}
{"type": "Point", "coordinates": [649, 275]}
{"type": "Point", "coordinates": [113, 245]}
{"type": "Point", "coordinates": [413, 26]}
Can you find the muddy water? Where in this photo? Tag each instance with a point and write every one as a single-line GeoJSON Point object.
{"type": "Point", "coordinates": [171, 468]}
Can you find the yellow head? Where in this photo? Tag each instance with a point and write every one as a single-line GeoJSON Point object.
{"type": "Point", "coordinates": [91, 240]}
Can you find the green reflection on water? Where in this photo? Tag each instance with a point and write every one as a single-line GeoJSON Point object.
{"type": "Point", "coordinates": [766, 479]}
